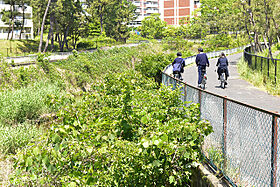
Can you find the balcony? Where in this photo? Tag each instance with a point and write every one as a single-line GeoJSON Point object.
{"type": "Point", "coordinates": [152, 1]}
{"type": "Point", "coordinates": [152, 11]}
{"type": "Point", "coordinates": [136, 3]}
{"type": "Point", "coordinates": [28, 9]}
{"type": "Point", "coordinates": [152, 5]}
{"type": "Point", "coordinates": [138, 10]}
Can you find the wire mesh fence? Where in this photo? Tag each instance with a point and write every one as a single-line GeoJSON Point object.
{"type": "Point", "coordinates": [244, 145]}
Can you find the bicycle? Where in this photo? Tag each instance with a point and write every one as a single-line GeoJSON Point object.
{"type": "Point", "coordinates": [223, 79]}
{"type": "Point", "coordinates": [204, 78]}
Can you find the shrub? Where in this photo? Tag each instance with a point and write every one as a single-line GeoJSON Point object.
{"type": "Point", "coordinates": [92, 43]}
{"type": "Point", "coordinates": [126, 133]}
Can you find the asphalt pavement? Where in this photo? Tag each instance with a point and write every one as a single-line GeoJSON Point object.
{"type": "Point", "coordinates": [237, 89]}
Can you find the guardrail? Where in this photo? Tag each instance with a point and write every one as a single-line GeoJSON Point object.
{"type": "Point", "coordinates": [245, 144]}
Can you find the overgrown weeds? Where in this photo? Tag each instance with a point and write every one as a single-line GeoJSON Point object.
{"type": "Point", "coordinates": [257, 78]}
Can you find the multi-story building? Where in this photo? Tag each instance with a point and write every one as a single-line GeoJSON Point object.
{"type": "Point", "coordinates": [144, 8]}
{"type": "Point", "coordinates": [172, 11]}
{"type": "Point", "coordinates": [27, 32]}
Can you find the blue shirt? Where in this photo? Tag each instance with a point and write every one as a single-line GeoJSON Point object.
{"type": "Point", "coordinates": [202, 60]}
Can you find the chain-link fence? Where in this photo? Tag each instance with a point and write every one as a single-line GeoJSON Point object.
{"type": "Point", "coordinates": [245, 144]}
{"type": "Point", "coordinates": [267, 66]}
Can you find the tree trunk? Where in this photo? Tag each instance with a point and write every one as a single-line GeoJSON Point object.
{"type": "Point", "coordinates": [23, 19]}
{"type": "Point", "coordinates": [246, 25]}
{"type": "Point", "coordinates": [50, 34]}
{"type": "Point", "coordinates": [101, 19]}
{"type": "Point", "coordinates": [42, 27]}
{"type": "Point", "coordinates": [13, 19]}
{"type": "Point", "coordinates": [267, 27]}
{"type": "Point", "coordinates": [277, 29]}
{"type": "Point", "coordinates": [38, 31]}
{"type": "Point", "coordinates": [65, 37]}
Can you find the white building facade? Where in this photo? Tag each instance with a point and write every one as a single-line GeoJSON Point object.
{"type": "Point", "coordinates": [144, 8]}
{"type": "Point", "coordinates": [27, 32]}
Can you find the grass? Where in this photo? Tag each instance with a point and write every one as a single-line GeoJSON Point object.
{"type": "Point", "coordinates": [26, 103]}
{"type": "Point", "coordinates": [16, 137]}
{"type": "Point", "coordinates": [20, 47]}
{"type": "Point", "coordinates": [258, 78]}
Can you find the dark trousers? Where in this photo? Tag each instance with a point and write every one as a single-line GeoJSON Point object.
{"type": "Point", "coordinates": [200, 69]}
{"type": "Point", "coordinates": [179, 73]}
{"type": "Point", "coordinates": [220, 70]}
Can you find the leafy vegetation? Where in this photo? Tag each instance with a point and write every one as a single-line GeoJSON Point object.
{"type": "Point", "coordinates": [14, 138]}
{"type": "Point", "coordinates": [110, 122]}
{"type": "Point", "coordinates": [258, 78]}
{"type": "Point", "coordinates": [127, 132]}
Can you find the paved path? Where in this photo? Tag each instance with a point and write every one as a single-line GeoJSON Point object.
{"type": "Point", "coordinates": [237, 89]}
{"type": "Point", "coordinates": [58, 55]}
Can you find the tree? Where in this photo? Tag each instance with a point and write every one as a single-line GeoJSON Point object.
{"type": "Point", "coordinates": [153, 27]}
{"type": "Point", "coordinates": [42, 27]}
{"type": "Point", "coordinates": [98, 8]}
{"type": "Point", "coordinates": [119, 15]}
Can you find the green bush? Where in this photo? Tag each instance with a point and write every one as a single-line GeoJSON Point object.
{"type": "Point", "coordinates": [15, 137]}
{"type": "Point", "coordinates": [29, 102]}
{"type": "Point", "coordinates": [90, 43]}
{"type": "Point", "coordinates": [151, 65]}
{"type": "Point", "coordinates": [218, 42]}
{"type": "Point", "coordinates": [123, 132]}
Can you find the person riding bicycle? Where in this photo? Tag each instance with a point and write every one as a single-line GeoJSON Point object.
{"type": "Point", "coordinates": [178, 65]}
{"type": "Point", "coordinates": [222, 66]}
{"type": "Point", "coordinates": [201, 62]}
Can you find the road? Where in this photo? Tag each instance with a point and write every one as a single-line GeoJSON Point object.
{"type": "Point", "coordinates": [237, 88]}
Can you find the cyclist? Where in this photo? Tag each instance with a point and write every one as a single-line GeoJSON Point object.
{"type": "Point", "coordinates": [222, 65]}
{"type": "Point", "coordinates": [178, 65]}
{"type": "Point", "coordinates": [201, 62]}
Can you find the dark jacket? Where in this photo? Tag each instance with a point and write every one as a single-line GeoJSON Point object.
{"type": "Point", "coordinates": [202, 60]}
{"type": "Point", "coordinates": [178, 65]}
{"type": "Point", "coordinates": [222, 62]}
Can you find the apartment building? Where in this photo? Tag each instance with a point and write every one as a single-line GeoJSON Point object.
{"type": "Point", "coordinates": [172, 11]}
{"type": "Point", "coordinates": [144, 8]}
{"type": "Point", "coordinates": [28, 24]}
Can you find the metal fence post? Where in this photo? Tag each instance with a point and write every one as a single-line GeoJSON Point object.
{"type": "Point", "coordinates": [268, 67]}
{"type": "Point", "coordinates": [199, 101]}
{"type": "Point", "coordinates": [225, 132]}
{"type": "Point", "coordinates": [275, 75]}
{"type": "Point", "coordinates": [261, 63]}
{"type": "Point", "coordinates": [185, 94]}
{"type": "Point", "coordinates": [256, 58]}
{"type": "Point", "coordinates": [274, 151]}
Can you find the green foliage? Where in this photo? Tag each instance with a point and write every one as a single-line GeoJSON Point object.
{"type": "Point", "coordinates": [126, 133]}
{"type": "Point", "coordinates": [217, 157]}
{"type": "Point", "coordinates": [15, 137]}
{"type": "Point", "coordinates": [152, 65]}
{"type": "Point", "coordinates": [258, 78]}
{"type": "Point", "coordinates": [100, 41]}
{"type": "Point", "coordinates": [178, 44]}
{"type": "Point", "coordinates": [152, 27]}
{"type": "Point", "coordinates": [217, 42]}
{"type": "Point", "coordinates": [26, 103]}
{"type": "Point", "coordinates": [195, 29]}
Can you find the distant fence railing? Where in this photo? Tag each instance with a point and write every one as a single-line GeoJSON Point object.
{"type": "Point", "coordinates": [212, 54]}
{"type": "Point", "coordinates": [270, 68]}
{"type": "Point", "coordinates": [245, 144]}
